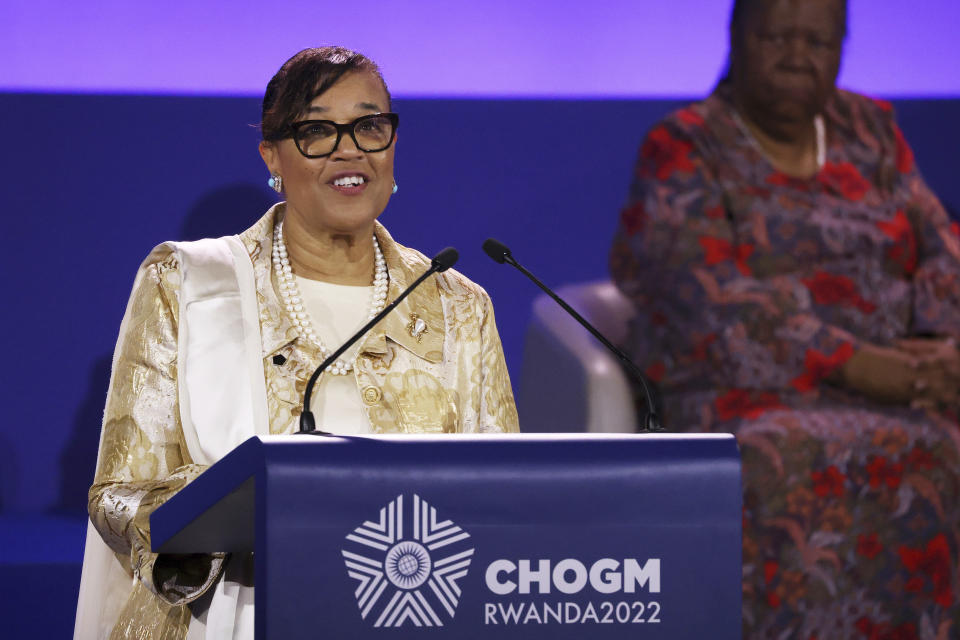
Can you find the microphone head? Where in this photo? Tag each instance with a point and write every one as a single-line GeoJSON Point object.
{"type": "Point", "coordinates": [445, 259]}
{"type": "Point", "coordinates": [497, 251]}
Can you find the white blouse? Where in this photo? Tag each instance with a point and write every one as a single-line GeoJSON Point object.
{"type": "Point", "coordinates": [337, 312]}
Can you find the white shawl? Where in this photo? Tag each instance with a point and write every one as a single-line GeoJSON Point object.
{"type": "Point", "coordinates": [223, 402]}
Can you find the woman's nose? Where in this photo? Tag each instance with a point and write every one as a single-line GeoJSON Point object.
{"type": "Point", "coordinates": [797, 51]}
{"type": "Point", "coordinates": [347, 148]}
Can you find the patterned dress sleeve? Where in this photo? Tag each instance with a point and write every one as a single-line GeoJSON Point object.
{"type": "Point", "coordinates": [711, 312]}
{"type": "Point", "coordinates": [498, 411]}
{"type": "Point", "coordinates": [143, 460]}
{"type": "Point", "coordinates": [932, 244]}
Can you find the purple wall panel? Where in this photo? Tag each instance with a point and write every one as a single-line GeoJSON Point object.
{"type": "Point", "coordinates": [626, 48]}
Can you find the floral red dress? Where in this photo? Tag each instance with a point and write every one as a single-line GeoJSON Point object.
{"type": "Point", "coordinates": [751, 288]}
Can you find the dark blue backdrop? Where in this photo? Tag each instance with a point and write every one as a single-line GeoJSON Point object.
{"type": "Point", "coordinates": [93, 182]}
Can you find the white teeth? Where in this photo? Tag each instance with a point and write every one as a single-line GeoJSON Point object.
{"type": "Point", "coordinates": [349, 181]}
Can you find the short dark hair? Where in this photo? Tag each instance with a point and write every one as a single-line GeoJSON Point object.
{"type": "Point", "coordinates": [742, 7]}
{"type": "Point", "coordinates": [306, 75]}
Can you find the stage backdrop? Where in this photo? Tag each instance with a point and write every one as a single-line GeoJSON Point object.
{"type": "Point", "coordinates": [116, 141]}
{"type": "Point", "coordinates": [520, 119]}
{"type": "Point", "coordinates": [439, 48]}
{"type": "Point", "coordinates": [94, 182]}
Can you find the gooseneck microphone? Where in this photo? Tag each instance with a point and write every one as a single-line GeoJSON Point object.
{"type": "Point", "coordinates": [440, 263]}
{"type": "Point", "coordinates": [499, 253]}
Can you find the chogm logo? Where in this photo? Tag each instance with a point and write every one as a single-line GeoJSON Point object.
{"type": "Point", "coordinates": [407, 565]}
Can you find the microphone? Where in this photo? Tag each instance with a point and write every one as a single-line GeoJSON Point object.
{"type": "Point", "coordinates": [499, 253]}
{"type": "Point", "coordinates": [440, 263]}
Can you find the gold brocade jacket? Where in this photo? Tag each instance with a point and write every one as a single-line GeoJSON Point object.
{"type": "Point", "coordinates": [449, 378]}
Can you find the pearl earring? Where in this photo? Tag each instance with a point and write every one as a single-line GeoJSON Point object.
{"type": "Point", "coordinates": [276, 183]}
{"type": "Point", "coordinates": [394, 186]}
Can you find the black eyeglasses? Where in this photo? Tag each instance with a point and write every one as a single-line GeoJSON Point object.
{"type": "Point", "coordinates": [320, 138]}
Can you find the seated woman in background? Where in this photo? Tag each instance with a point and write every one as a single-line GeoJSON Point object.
{"type": "Point", "coordinates": [798, 284]}
{"type": "Point", "coordinates": [315, 268]}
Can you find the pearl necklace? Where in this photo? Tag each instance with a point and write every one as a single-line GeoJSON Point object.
{"type": "Point", "coordinates": [293, 300]}
{"type": "Point", "coordinates": [818, 127]}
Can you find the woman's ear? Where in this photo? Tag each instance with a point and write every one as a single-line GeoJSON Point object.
{"type": "Point", "coordinates": [268, 151]}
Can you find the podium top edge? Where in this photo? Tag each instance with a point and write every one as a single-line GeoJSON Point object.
{"type": "Point", "coordinates": [503, 437]}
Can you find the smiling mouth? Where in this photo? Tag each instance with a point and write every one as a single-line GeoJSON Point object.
{"type": "Point", "coordinates": [349, 181]}
{"type": "Point", "coordinates": [350, 185]}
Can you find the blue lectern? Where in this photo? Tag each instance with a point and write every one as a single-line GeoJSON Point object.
{"type": "Point", "coordinates": [519, 536]}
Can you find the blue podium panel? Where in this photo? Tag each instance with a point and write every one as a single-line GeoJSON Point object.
{"type": "Point", "coordinates": [527, 536]}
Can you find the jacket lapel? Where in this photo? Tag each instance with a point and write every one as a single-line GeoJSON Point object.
{"type": "Point", "coordinates": [423, 339]}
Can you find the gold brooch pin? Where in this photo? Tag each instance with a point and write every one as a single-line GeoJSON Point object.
{"type": "Point", "coordinates": [417, 327]}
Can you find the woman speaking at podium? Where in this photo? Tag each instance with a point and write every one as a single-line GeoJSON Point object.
{"type": "Point", "coordinates": [221, 336]}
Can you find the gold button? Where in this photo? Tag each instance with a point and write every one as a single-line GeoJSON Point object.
{"type": "Point", "coordinates": [371, 395]}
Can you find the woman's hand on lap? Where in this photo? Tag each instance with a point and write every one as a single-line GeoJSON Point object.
{"type": "Point", "coordinates": [885, 374]}
{"type": "Point", "coordinates": [938, 372]}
